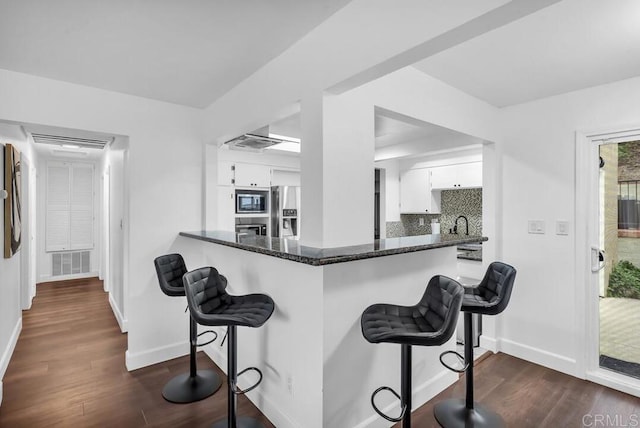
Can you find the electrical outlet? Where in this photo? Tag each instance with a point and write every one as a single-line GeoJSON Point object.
{"type": "Point", "coordinates": [290, 384]}
{"type": "Point", "coordinates": [537, 226]}
{"type": "Point", "coordinates": [421, 221]}
{"type": "Point", "coordinates": [562, 227]}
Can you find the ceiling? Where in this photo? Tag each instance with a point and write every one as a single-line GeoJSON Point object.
{"type": "Point", "coordinates": [394, 130]}
{"type": "Point", "coordinates": [184, 52]}
{"type": "Point", "coordinates": [571, 45]}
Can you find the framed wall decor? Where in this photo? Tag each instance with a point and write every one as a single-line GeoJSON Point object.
{"type": "Point", "coordinates": [12, 205]}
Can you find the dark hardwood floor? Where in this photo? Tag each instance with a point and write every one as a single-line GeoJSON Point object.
{"type": "Point", "coordinates": [529, 395]}
{"type": "Point", "coordinates": [68, 370]}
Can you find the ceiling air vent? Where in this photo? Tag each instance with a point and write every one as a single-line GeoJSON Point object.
{"type": "Point", "coordinates": [70, 142]}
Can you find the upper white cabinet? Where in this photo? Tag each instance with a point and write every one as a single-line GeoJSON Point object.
{"type": "Point", "coordinates": [225, 173]}
{"type": "Point", "coordinates": [460, 176]}
{"type": "Point", "coordinates": [252, 175]}
{"type": "Point", "coordinates": [415, 193]}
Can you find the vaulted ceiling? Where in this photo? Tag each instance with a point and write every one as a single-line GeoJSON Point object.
{"type": "Point", "coordinates": [185, 52]}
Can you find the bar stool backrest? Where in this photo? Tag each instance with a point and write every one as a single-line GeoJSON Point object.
{"type": "Point", "coordinates": [170, 269]}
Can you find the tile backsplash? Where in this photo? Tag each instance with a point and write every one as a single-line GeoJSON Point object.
{"type": "Point", "coordinates": [466, 202]}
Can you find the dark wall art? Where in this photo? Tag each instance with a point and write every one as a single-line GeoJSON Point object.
{"type": "Point", "coordinates": [13, 203]}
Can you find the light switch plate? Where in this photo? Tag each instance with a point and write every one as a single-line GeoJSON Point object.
{"type": "Point", "coordinates": [562, 227]}
{"type": "Point", "coordinates": [537, 226]}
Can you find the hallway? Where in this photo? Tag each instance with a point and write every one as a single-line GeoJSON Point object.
{"type": "Point", "coordinates": [68, 370]}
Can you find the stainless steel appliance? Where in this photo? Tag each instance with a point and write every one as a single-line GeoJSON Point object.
{"type": "Point", "coordinates": [285, 211]}
{"type": "Point", "coordinates": [252, 229]}
{"type": "Point", "coordinates": [251, 201]}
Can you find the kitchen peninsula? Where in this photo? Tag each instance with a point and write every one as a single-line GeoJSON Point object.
{"type": "Point", "coordinates": [318, 369]}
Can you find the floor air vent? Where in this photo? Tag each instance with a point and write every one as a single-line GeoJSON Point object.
{"type": "Point", "coordinates": [70, 263]}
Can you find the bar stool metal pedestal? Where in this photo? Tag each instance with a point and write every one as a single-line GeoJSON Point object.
{"type": "Point", "coordinates": [197, 384]}
{"type": "Point", "coordinates": [429, 323]}
{"type": "Point", "coordinates": [490, 297]}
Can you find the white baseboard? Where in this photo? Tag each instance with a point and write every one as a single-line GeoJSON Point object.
{"type": "Point", "coordinates": [122, 321]}
{"type": "Point", "coordinates": [488, 343]}
{"type": "Point", "coordinates": [267, 407]}
{"type": "Point", "coordinates": [155, 355]}
{"type": "Point", "coordinates": [539, 356]}
{"type": "Point", "coordinates": [8, 352]}
{"type": "Point", "coordinates": [421, 395]}
{"type": "Point", "coordinates": [49, 278]}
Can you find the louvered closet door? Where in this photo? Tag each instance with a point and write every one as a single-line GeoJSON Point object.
{"type": "Point", "coordinates": [81, 208]}
{"type": "Point", "coordinates": [58, 200]}
{"type": "Point", "coordinates": [69, 206]}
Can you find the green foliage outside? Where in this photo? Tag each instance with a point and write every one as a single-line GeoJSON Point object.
{"type": "Point", "coordinates": [624, 281]}
{"type": "Point", "coordinates": [623, 151]}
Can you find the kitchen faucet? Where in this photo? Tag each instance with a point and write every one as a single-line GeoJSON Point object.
{"type": "Point", "coordinates": [455, 226]}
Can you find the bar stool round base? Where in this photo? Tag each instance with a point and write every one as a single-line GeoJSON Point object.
{"type": "Point", "coordinates": [454, 413]}
{"type": "Point", "coordinates": [186, 389]}
{"type": "Point", "coordinates": [241, 422]}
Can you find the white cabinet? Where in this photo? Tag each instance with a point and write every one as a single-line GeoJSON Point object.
{"type": "Point", "coordinates": [415, 193]}
{"type": "Point", "coordinates": [226, 208]}
{"type": "Point", "coordinates": [460, 176]}
{"type": "Point", "coordinates": [252, 175]}
{"type": "Point", "coordinates": [225, 173]}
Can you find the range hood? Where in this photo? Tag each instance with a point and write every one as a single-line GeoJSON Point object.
{"type": "Point", "coordinates": [254, 141]}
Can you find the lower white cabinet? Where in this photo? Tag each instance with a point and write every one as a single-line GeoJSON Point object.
{"type": "Point", "coordinates": [459, 176]}
{"type": "Point", "coordinates": [415, 193]}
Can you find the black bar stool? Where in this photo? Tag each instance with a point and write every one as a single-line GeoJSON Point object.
{"type": "Point", "coordinates": [490, 297]}
{"type": "Point", "coordinates": [429, 323]}
{"type": "Point", "coordinates": [210, 305]}
{"type": "Point", "coordinates": [197, 384]}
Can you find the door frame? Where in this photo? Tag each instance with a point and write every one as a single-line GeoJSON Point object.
{"type": "Point", "coordinates": [587, 235]}
{"type": "Point", "coordinates": [27, 256]}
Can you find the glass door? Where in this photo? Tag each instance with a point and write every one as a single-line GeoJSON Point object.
{"type": "Point", "coordinates": [617, 260]}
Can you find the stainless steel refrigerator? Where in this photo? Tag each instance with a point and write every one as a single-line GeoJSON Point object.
{"type": "Point", "coordinates": [285, 211]}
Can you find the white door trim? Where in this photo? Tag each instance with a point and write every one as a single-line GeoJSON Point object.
{"type": "Point", "coordinates": [587, 222]}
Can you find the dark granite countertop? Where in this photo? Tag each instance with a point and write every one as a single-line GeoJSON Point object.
{"type": "Point", "coordinates": [291, 249]}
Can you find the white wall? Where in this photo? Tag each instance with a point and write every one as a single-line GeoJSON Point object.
{"type": "Point", "coordinates": [164, 180]}
{"type": "Point", "coordinates": [10, 269]}
{"type": "Point", "coordinates": [391, 184]}
{"type": "Point", "coordinates": [539, 182]}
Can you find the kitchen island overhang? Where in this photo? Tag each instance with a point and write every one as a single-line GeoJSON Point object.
{"type": "Point", "coordinates": [318, 369]}
{"type": "Point", "coordinates": [291, 249]}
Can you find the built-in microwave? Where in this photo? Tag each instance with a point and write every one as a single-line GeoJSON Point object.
{"type": "Point", "coordinates": [251, 201]}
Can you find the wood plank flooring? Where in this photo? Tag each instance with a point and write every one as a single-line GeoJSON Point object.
{"type": "Point", "coordinates": [68, 370]}
{"type": "Point", "coordinates": [528, 395]}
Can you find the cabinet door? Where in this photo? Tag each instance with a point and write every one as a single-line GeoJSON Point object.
{"type": "Point", "coordinates": [252, 175]}
{"type": "Point", "coordinates": [415, 192]}
{"type": "Point", "coordinates": [459, 176]}
{"type": "Point", "coordinates": [225, 173]}
{"type": "Point", "coordinates": [226, 208]}
{"type": "Point", "coordinates": [444, 177]}
{"type": "Point", "coordinates": [470, 175]}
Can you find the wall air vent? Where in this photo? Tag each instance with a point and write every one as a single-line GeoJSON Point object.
{"type": "Point", "coordinates": [70, 263]}
{"type": "Point", "coordinates": [70, 142]}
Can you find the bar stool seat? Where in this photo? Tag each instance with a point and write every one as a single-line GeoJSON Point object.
{"type": "Point", "coordinates": [490, 297]}
{"type": "Point", "coordinates": [197, 384]}
{"type": "Point", "coordinates": [431, 322]}
{"type": "Point", "coordinates": [210, 304]}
